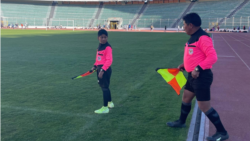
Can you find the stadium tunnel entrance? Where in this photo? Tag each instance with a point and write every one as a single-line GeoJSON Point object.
{"type": "Point", "coordinates": [114, 24]}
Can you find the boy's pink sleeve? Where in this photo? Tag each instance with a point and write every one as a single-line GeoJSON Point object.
{"type": "Point", "coordinates": [109, 58]}
{"type": "Point", "coordinates": [206, 45]}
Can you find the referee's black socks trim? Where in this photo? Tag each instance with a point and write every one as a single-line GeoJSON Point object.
{"type": "Point", "coordinates": [214, 117]}
{"type": "Point", "coordinates": [185, 109]}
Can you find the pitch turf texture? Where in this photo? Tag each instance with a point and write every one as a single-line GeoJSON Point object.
{"type": "Point", "coordinates": [40, 102]}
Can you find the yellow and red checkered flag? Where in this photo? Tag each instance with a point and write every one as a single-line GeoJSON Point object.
{"type": "Point", "coordinates": [174, 77]}
{"type": "Point", "coordinates": [83, 75]}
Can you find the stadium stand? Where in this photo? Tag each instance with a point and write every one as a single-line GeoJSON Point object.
{"type": "Point", "coordinates": [167, 12]}
{"type": "Point", "coordinates": [213, 11]}
{"type": "Point", "coordinates": [33, 14]}
{"type": "Point", "coordinates": [244, 12]}
{"type": "Point", "coordinates": [126, 12]}
{"type": "Point", "coordinates": [159, 13]}
{"type": "Point", "coordinates": [243, 17]}
{"type": "Point", "coordinates": [81, 14]}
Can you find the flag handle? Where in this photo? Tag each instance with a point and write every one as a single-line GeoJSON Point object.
{"type": "Point", "coordinates": [79, 76]}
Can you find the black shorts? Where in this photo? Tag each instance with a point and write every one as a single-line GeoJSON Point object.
{"type": "Point", "coordinates": [105, 81]}
{"type": "Point", "coordinates": [201, 85]}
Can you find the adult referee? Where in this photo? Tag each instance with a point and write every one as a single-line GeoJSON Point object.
{"type": "Point", "coordinates": [199, 56]}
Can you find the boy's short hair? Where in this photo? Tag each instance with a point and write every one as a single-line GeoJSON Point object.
{"type": "Point", "coordinates": [102, 31]}
{"type": "Point", "coordinates": [192, 18]}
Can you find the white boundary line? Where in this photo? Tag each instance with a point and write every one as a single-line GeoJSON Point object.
{"type": "Point", "coordinates": [236, 53]}
{"type": "Point", "coordinates": [243, 37]}
{"type": "Point", "coordinates": [202, 127]}
{"type": "Point", "coordinates": [47, 111]}
{"type": "Point", "coordinates": [239, 40]}
{"type": "Point", "coordinates": [224, 56]}
{"type": "Point", "coordinates": [192, 123]}
{"type": "Point", "coordinates": [245, 44]}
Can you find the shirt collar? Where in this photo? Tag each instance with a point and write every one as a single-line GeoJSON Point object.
{"type": "Point", "coordinates": [196, 32]}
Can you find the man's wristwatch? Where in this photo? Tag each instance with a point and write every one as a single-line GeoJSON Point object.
{"type": "Point", "coordinates": [102, 70]}
{"type": "Point", "coordinates": [198, 69]}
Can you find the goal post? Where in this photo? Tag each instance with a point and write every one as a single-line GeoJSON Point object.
{"type": "Point", "coordinates": [4, 21]}
{"type": "Point", "coordinates": [60, 24]}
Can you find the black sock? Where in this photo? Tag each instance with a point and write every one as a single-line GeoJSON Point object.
{"type": "Point", "coordinates": [106, 96]}
{"type": "Point", "coordinates": [185, 109]}
{"type": "Point", "coordinates": [215, 119]}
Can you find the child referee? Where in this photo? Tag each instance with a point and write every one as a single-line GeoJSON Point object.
{"type": "Point", "coordinates": [102, 64]}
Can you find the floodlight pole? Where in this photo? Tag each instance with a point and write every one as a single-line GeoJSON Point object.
{"type": "Point", "coordinates": [160, 23]}
{"type": "Point", "coordinates": [233, 21]}
{"type": "Point", "coordinates": [225, 21]}
{"type": "Point", "coordinates": [248, 21]}
{"type": "Point", "coordinates": [240, 20]}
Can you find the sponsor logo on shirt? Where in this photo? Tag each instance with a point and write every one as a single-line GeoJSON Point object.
{"type": "Point", "coordinates": [99, 58]}
{"type": "Point", "coordinates": [191, 51]}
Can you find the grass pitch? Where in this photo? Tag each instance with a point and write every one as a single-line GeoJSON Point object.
{"type": "Point", "coordinates": [40, 102]}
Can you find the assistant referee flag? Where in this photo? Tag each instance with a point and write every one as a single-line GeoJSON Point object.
{"type": "Point", "coordinates": [173, 77]}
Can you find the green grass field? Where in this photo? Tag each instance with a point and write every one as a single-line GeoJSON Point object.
{"type": "Point", "coordinates": [40, 102]}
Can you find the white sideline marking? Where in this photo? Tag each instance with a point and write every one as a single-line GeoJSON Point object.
{"type": "Point", "coordinates": [192, 123]}
{"type": "Point", "coordinates": [225, 56]}
{"type": "Point", "coordinates": [202, 127]}
{"type": "Point", "coordinates": [240, 42]}
{"type": "Point", "coordinates": [46, 111]}
{"type": "Point", "coordinates": [236, 54]}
